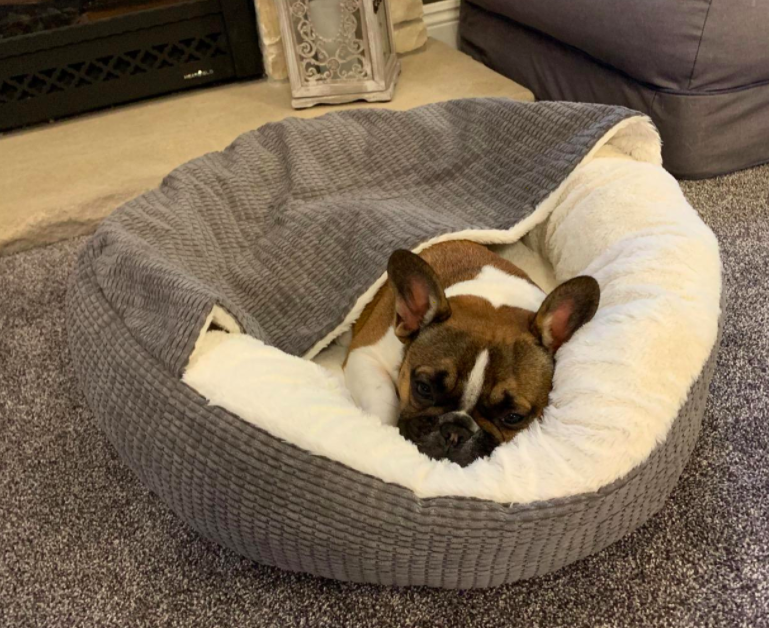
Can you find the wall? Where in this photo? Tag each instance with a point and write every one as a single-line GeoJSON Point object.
{"type": "Point", "coordinates": [442, 21]}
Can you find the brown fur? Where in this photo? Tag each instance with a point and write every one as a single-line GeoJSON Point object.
{"type": "Point", "coordinates": [526, 382]}
{"type": "Point", "coordinates": [444, 337]}
{"type": "Point", "coordinates": [518, 376]}
{"type": "Point", "coordinates": [454, 261]}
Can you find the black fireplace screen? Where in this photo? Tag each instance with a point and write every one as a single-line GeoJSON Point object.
{"type": "Point", "coordinates": [62, 57]}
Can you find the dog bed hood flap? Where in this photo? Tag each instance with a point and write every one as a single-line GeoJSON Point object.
{"type": "Point", "coordinates": [290, 226]}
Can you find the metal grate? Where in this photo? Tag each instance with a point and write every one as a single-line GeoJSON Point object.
{"type": "Point", "coordinates": [83, 73]}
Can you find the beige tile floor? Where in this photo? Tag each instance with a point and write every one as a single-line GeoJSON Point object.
{"type": "Point", "coordinates": [59, 180]}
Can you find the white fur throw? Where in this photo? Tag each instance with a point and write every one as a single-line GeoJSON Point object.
{"type": "Point", "coordinates": [619, 383]}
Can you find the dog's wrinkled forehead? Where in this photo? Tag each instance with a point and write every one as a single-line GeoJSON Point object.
{"type": "Point", "coordinates": [439, 357]}
{"type": "Point", "coordinates": [454, 362]}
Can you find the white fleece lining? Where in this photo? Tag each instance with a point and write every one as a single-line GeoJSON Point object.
{"type": "Point", "coordinates": [619, 382]}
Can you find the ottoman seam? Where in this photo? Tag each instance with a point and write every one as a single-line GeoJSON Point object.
{"type": "Point", "coordinates": [699, 44]}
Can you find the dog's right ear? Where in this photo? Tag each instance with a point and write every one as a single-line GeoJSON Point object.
{"type": "Point", "coordinates": [419, 297]}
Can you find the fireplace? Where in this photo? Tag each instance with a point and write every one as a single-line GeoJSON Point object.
{"type": "Point", "coordinates": [63, 57]}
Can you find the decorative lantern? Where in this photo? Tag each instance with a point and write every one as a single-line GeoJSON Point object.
{"type": "Point", "coordinates": [338, 50]}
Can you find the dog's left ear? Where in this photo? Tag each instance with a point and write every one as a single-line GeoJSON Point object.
{"type": "Point", "coordinates": [419, 297]}
{"type": "Point", "coordinates": [565, 310]}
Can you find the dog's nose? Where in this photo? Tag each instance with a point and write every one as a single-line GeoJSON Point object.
{"type": "Point", "coordinates": [459, 418]}
{"type": "Point", "coordinates": [455, 434]}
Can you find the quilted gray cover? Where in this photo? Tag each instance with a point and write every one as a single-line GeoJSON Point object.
{"type": "Point", "coordinates": [288, 226]}
{"type": "Point", "coordinates": [285, 229]}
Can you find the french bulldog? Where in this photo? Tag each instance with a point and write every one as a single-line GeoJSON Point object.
{"type": "Point", "coordinates": [457, 348]}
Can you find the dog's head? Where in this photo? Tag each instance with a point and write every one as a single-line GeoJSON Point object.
{"type": "Point", "coordinates": [474, 375]}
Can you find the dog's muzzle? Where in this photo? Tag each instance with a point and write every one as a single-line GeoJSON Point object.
{"type": "Point", "coordinates": [454, 436]}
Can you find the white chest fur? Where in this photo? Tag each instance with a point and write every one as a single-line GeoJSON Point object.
{"type": "Point", "coordinates": [371, 374]}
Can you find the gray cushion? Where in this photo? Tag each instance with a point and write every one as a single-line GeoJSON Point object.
{"type": "Point", "coordinates": [700, 69]}
{"type": "Point", "coordinates": [632, 37]}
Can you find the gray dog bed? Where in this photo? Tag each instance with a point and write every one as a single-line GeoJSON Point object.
{"type": "Point", "coordinates": [700, 69]}
{"type": "Point", "coordinates": [280, 240]}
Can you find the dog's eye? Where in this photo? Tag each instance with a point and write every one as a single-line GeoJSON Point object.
{"type": "Point", "coordinates": [513, 419]}
{"type": "Point", "coordinates": [424, 390]}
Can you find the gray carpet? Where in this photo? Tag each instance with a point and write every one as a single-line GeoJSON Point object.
{"type": "Point", "coordinates": [84, 544]}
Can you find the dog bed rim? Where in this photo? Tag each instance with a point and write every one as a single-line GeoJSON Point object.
{"type": "Point", "coordinates": [420, 541]}
{"type": "Point", "coordinates": [392, 489]}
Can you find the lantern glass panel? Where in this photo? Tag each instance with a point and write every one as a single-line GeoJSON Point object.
{"type": "Point", "coordinates": [380, 8]}
{"type": "Point", "coordinates": [331, 41]}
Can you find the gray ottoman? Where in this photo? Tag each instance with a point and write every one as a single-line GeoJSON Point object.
{"type": "Point", "coordinates": [700, 69]}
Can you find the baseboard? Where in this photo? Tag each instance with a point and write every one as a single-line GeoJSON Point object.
{"type": "Point", "coordinates": [442, 21]}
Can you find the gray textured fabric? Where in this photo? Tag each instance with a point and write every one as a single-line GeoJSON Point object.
{"type": "Point", "coordinates": [697, 46]}
{"type": "Point", "coordinates": [160, 261]}
{"type": "Point", "coordinates": [84, 543]}
{"type": "Point", "coordinates": [733, 50]}
{"type": "Point", "coordinates": [706, 93]}
{"type": "Point", "coordinates": [288, 226]}
{"type": "Point", "coordinates": [633, 37]}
